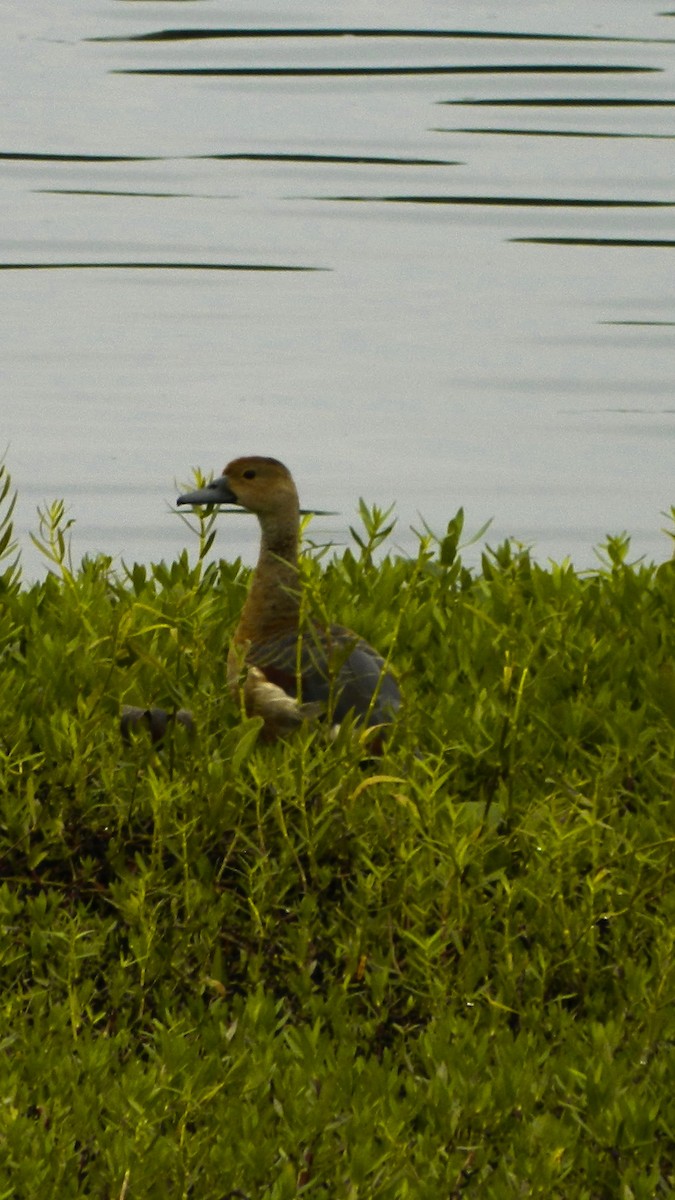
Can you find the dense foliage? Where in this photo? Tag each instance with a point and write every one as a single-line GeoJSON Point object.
{"type": "Point", "coordinates": [234, 969]}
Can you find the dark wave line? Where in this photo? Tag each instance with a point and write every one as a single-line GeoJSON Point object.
{"type": "Point", "coordinates": [374, 160]}
{"type": "Point", "coordinates": [129, 195]}
{"type": "Point", "coordinates": [507, 201]}
{"type": "Point", "coordinates": [659, 243]}
{"type": "Point", "coordinates": [190, 34]}
{"type": "Point", "coordinates": [495, 201]}
{"type": "Point", "coordinates": [150, 266]}
{"type": "Point", "coordinates": [347, 159]}
{"type": "Point", "coordinates": [566, 102]}
{"type": "Point", "coordinates": [565, 133]}
{"type": "Point", "coordinates": [321, 72]}
{"type": "Point", "coordinates": [22, 156]}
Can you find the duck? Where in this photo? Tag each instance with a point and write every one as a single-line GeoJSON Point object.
{"type": "Point", "coordinates": [288, 669]}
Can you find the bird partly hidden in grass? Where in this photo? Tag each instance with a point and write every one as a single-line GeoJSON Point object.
{"type": "Point", "coordinates": [287, 668]}
{"type": "Point", "coordinates": [290, 668]}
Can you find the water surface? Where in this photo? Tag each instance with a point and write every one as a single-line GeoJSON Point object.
{"type": "Point", "coordinates": [422, 255]}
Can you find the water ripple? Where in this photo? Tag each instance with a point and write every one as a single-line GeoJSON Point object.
{"type": "Point", "coordinates": [23, 156]}
{"type": "Point", "coordinates": [240, 156]}
{"type": "Point", "coordinates": [566, 102]}
{"type": "Point", "coordinates": [655, 243]}
{"type": "Point", "coordinates": [258, 33]}
{"type": "Point", "coordinates": [507, 201]}
{"type": "Point", "coordinates": [339, 159]}
{"type": "Point", "coordinates": [150, 266]}
{"type": "Point", "coordinates": [321, 72]}
{"type": "Point", "coordinates": [118, 192]}
{"type": "Point", "coordinates": [563, 133]}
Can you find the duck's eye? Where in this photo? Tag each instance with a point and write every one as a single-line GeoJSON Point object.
{"type": "Point", "coordinates": [250, 474]}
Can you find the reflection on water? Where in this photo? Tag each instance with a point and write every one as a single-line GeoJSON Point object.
{"type": "Point", "coordinates": [146, 266]}
{"type": "Point", "coordinates": [22, 156]}
{"type": "Point", "coordinates": [567, 102]}
{"type": "Point", "coordinates": [393, 33]}
{"type": "Point", "coordinates": [558, 133]}
{"type": "Point", "coordinates": [347, 159]}
{"type": "Point", "coordinates": [267, 238]}
{"type": "Point", "coordinates": [469, 69]}
{"type": "Point", "coordinates": [662, 243]}
{"type": "Point", "coordinates": [510, 201]}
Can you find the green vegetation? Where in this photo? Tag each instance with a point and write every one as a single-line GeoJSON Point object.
{"type": "Point", "coordinates": [242, 970]}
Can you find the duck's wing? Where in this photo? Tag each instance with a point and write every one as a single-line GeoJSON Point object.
{"type": "Point", "coordinates": [337, 669]}
{"type": "Point", "coordinates": [364, 685]}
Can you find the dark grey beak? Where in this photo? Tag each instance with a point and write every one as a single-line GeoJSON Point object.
{"type": "Point", "coordinates": [218, 491]}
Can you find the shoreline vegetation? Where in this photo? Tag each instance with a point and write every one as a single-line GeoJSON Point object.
{"type": "Point", "coordinates": [242, 970]}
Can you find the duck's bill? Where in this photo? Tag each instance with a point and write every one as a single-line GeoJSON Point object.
{"type": "Point", "coordinates": [218, 492]}
{"type": "Point", "coordinates": [215, 492]}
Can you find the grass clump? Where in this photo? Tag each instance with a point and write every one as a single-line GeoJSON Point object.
{"type": "Point", "coordinates": [242, 970]}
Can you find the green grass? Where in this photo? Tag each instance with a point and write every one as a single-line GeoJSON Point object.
{"type": "Point", "coordinates": [240, 970]}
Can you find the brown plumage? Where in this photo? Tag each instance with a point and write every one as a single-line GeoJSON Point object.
{"type": "Point", "coordinates": [287, 674]}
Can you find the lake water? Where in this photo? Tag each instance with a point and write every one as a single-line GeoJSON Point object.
{"type": "Point", "coordinates": [423, 253]}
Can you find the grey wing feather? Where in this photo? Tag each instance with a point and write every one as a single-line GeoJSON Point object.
{"type": "Point", "coordinates": [364, 686]}
{"type": "Point", "coordinates": [336, 667]}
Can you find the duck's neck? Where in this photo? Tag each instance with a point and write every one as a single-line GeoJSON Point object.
{"type": "Point", "coordinates": [273, 601]}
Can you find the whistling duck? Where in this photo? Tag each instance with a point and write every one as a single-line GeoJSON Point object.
{"type": "Point", "coordinates": [286, 673]}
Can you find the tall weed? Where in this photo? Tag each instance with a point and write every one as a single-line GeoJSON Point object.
{"type": "Point", "coordinates": [235, 969]}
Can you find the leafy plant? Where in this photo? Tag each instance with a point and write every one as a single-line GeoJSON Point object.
{"type": "Point", "coordinates": [235, 969]}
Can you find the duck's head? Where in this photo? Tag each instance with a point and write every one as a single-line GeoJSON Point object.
{"type": "Point", "coordinates": [262, 485]}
